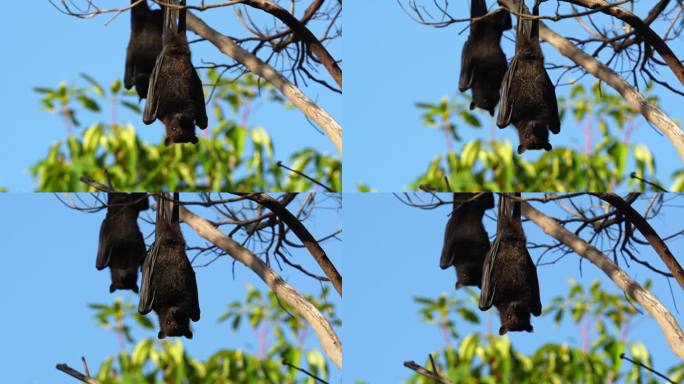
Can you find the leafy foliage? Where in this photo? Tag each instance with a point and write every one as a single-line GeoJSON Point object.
{"type": "Point", "coordinates": [229, 156]}
{"type": "Point", "coordinates": [480, 358]}
{"type": "Point", "coordinates": [151, 361]}
{"type": "Point", "coordinates": [495, 166]}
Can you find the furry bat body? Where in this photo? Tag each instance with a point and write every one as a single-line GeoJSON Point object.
{"type": "Point", "coordinates": [528, 97]}
{"type": "Point", "coordinates": [509, 276]}
{"type": "Point", "coordinates": [465, 239]}
{"type": "Point", "coordinates": [169, 286]}
{"type": "Point", "coordinates": [175, 94]}
{"type": "Point", "coordinates": [121, 245]}
{"type": "Point", "coordinates": [144, 46]}
{"type": "Point", "coordinates": [483, 62]}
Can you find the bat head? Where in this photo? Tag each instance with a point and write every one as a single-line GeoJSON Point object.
{"type": "Point", "coordinates": [533, 135]}
{"type": "Point", "coordinates": [515, 317]}
{"type": "Point", "coordinates": [173, 322]}
{"type": "Point", "coordinates": [180, 128]}
{"type": "Point", "coordinates": [485, 97]}
{"type": "Point", "coordinates": [124, 278]}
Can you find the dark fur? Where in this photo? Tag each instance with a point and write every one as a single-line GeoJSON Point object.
{"type": "Point", "coordinates": [465, 240]}
{"type": "Point", "coordinates": [121, 245]}
{"type": "Point", "coordinates": [175, 95]}
{"type": "Point", "coordinates": [144, 46]}
{"type": "Point", "coordinates": [509, 276]}
{"type": "Point", "coordinates": [528, 97]}
{"type": "Point", "coordinates": [483, 62]}
{"type": "Point", "coordinates": [169, 286]}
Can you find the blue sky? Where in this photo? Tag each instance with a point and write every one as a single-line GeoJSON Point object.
{"type": "Point", "coordinates": [393, 254]}
{"type": "Point", "coordinates": [57, 47]}
{"type": "Point", "coordinates": [50, 278]}
{"type": "Point", "coordinates": [393, 62]}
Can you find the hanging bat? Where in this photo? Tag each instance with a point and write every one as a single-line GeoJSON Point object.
{"type": "Point", "coordinates": [121, 245]}
{"type": "Point", "coordinates": [483, 62]}
{"type": "Point", "coordinates": [169, 287]}
{"type": "Point", "coordinates": [143, 47]}
{"type": "Point", "coordinates": [465, 240]}
{"type": "Point", "coordinates": [528, 97]}
{"type": "Point", "coordinates": [175, 94]}
{"type": "Point", "coordinates": [509, 276]}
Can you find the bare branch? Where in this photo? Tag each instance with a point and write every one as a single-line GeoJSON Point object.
{"type": "Point", "coordinates": [326, 334]}
{"type": "Point", "coordinates": [228, 46]}
{"type": "Point", "coordinates": [668, 324]}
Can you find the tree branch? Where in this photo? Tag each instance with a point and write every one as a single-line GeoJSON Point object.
{"type": "Point", "coordinates": [75, 374]}
{"type": "Point", "coordinates": [426, 373]}
{"type": "Point", "coordinates": [304, 34]}
{"type": "Point", "coordinates": [599, 70]}
{"type": "Point", "coordinates": [228, 47]}
{"type": "Point", "coordinates": [649, 233]}
{"type": "Point", "coordinates": [326, 335]}
{"type": "Point", "coordinates": [668, 324]}
{"type": "Point", "coordinates": [642, 28]}
{"type": "Point", "coordinates": [303, 234]}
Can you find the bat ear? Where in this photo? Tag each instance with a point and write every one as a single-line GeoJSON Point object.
{"type": "Point", "coordinates": [472, 105]}
{"type": "Point", "coordinates": [502, 331]}
{"type": "Point", "coordinates": [161, 335]}
{"type": "Point", "coordinates": [194, 140]}
{"type": "Point", "coordinates": [491, 112]}
{"type": "Point", "coordinates": [521, 149]}
{"type": "Point", "coordinates": [548, 147]}
{"type": "Point", "coordinates": [458, 285]}
{"type": "Point", "coordinates": [112, 288]}
{"type": "Point", "coordinates": [167, 141]}
{"type": "Point", "coordinates": [188, 334]}
{"type": "Point", "coordinates": [135, 288]}
{"type": "Point", "coordinates": [529, 328]}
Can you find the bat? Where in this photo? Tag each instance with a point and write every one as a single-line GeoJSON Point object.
{"type": "Point", "coordinates": [169, 287]}
{"type": "Point", "coordinates": [483, 62]}
{"type": "Point", "coordinates": [175, 94]}
{"type": "Point", "coordinates": [121, 245]}
{"type": "Point", "coordinates": [528, 97]}
{"type": "Point", "coordinates": [144, 46]}
{"type": "Point", "coordinates": [465, 240]}
{"type": "Point", "coordinates": [509, 276]}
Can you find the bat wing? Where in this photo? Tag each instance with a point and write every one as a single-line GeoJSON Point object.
{"type": "Point", "coordinates": [104, 248]}
{"type": "Point", "coordinates": [194, 296]}
{"type": "Point", "coordinates": [152, 103]}
{"type": "Point", "coordinates": [465, 81]}
{"type": "Point", "coordinates": [535, 305]}
{"type": "Point", "coordinates": [552, 101]}
{"type": "Point", "coordinates": [198, 100]}
{"type": "Point", "coordinates": [488, 284]}
{"type": "Point", "coordinates": [506, 102]}
{"type": "Point", "coordinates": [447, 258]}
{"type": "Point", "coordinates": [129, 77]}
{"type": "Point", "coordinates": [147, 292]}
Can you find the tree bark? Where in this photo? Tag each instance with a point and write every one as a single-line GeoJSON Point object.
{"type": "Point", "coordinates": [668, 324]}
{"type": "Point", "coordinates": [228, 47]}
{"type": "Point", "coordinates": [324, 331]}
